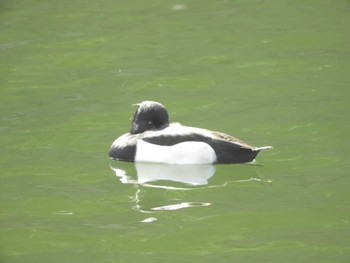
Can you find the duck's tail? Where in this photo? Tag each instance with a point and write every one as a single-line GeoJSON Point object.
{"type": "Point", "coordinates": [258, 149]}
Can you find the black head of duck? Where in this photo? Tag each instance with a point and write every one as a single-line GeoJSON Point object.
{"type": "Point", "coordinates": [150, 115]}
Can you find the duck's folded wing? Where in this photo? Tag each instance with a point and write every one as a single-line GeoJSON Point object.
{"type": "Point", "coordinates": [172, 139]}
{"type": "Point", "coordinates": [227, 151]}
{"type": "Point", "coordinates": [232, 152]}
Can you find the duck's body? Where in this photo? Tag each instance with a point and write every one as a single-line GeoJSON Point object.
{"type": "Point", "coordinates": [153, 139]}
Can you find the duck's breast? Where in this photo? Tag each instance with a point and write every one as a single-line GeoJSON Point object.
{"type": "Point", "coordinates": [124, 148]}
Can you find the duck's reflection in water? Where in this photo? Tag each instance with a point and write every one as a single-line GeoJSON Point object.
{"type": "Point", "coordinates": [168, 177]}
{"type": "Point", "coordinates": [170, 182]}
{"type": "Point", "coordinates": [190, 175]}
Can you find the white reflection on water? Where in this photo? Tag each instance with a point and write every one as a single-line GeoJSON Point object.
{"type": "Point", "coordinates": [164, 176]}
{"type": "Point", "coordinates": [168, 177]}
{"type": "Point", "coordinates": [193, 175]}
{"type": "Point", "coordinates": [180, 206]}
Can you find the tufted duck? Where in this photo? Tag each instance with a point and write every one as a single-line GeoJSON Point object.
{"type": "Point", "coordinates": [153, 139]}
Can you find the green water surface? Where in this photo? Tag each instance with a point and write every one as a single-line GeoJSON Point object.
{"type": "Point", "coordinates": [269, 72]}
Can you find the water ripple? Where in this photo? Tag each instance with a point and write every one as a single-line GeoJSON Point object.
{"type": "Point", "coordinates": [180, 206]}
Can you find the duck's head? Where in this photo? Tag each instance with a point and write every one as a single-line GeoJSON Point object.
{"type": "Point", "coordinates": [150, 115]}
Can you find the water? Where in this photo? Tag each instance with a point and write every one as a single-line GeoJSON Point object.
{"type": "Point", "coordinates": [269, 72]}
